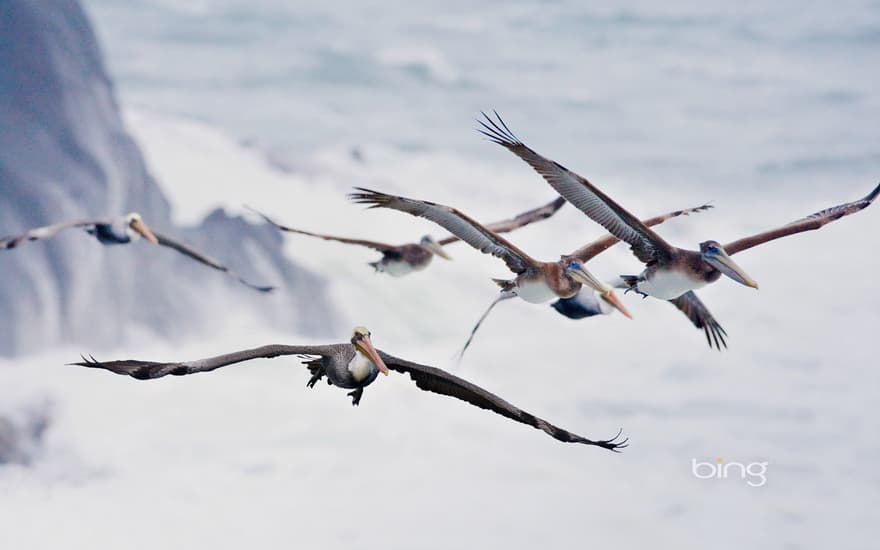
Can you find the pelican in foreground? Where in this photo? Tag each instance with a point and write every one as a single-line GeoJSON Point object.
{"type": "Point", "coordinates": [670, 271]}
{"type": "Point", "coordinates": [535, 282]}
{"type": "Point", "coordinates": [400, 260]}
{"type": "Point", "coordinates": [123, 230]}
{"type": "Point", "coordinates": [355, 365]}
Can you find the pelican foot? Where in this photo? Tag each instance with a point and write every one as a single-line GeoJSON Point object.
{"type": "Point", "coordinates": [356, 396]}
{"type": "Point", "coordinates": [317, 374]}
{"type": "Point", "coordinates": [636, 290]}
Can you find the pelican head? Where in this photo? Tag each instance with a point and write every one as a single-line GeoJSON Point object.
{"type": "Point", "coordinates": [575, 269]}
{"type": "Point", "coordinates": [428, 243]}
{"type": "Point", "coordinates": [714, 254]}
{"type": "Point", "coordinates": [360, 339]}
{"type": "Point", "coordinates": [140, 229]}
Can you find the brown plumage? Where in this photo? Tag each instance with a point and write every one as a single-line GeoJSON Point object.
{"type": "Point", "coordinates": [399, 260]}
{"type": "Point", "coordinates": [339, 364]}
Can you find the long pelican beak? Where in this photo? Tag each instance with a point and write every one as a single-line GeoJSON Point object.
{"type": "Point", "coordinates": [722, 262]}
{"type": "Point", "coordinates": [366, 346]}
{"type": "Point", "coordinates": [145, 232]}
{"type": "Point", "coordinates": [612, 299]}
{"type": "Point", "coordinates": [437, 250]}
{"type": "Point", "coordinates": [606, 292]}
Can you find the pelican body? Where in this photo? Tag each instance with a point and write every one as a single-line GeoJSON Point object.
{"type": "Point", "coordinates": [355, 365]}
{"type": "Point", "coordinates": [407, 258]}
{"type": "Point", "coordinates": [543, 281]}
{"type": "Point", "coordinates": [351, 367]}
{"type": "Point", "coordinates": [122, 230]}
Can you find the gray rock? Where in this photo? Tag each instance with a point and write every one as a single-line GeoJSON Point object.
{"type": "Point", "coordinates": [64, 154]}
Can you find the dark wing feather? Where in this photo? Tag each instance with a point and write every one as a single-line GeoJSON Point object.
{"type": "Point", "coordinates": [164, 240]}
{"type": "Point", "coordinates": [593, 249]}
{"type": "Point", "coordinates": [520, 220]}
{"type": "Point", "coordinates": [810, 223]}
{"type": "Point", "coordinates": [145, 370]}
{"type": "Point", "coordinates": [646, 245]}
{"type": "Point", "coordinates": [453, 221]}
{"type": "Point", "coordinates": [695, 310]}
{"type": "Point", "coordinates": [47, 231]}
{"type": "Point", "coordinates": [381, 247]}
{"type": "Point", "coordinates": [439, 381]}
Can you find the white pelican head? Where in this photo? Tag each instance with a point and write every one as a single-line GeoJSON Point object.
{"type": "Point", "coordinates": [360, 339]}
{"type": "Point", "coordinates": [575, 269]}
{"type": "Point", "coordinates": [434, 247]}
{"type": "Point", "coordinates": [139, 228]}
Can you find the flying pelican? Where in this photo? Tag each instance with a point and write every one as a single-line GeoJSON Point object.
{"type": "Point", "coordinates": [123, 230]}
{"type": "Point", "coordinates": [400, 260]}
{"type": "Point", "coordinates": [354, 366]}
{"type": "Point", "coordinates": [670, 272]}
{"type": "Point", "coordinates": [535, 282]}
{"type": "Point", "coordinates": [588, 302]}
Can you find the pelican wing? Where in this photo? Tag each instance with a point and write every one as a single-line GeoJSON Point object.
{"type": "Point", "coordinates": [146, 370]}
{"type": "Point", "coordinates": [381, 247]}
{"type": "Point", "coordinates": [520, 220]}
{"type": "Point", "coordinates": [453, 221]}
{"type": "Point", "coordinates": [593, 249]}
{"type": "Point", "coordinates": [810, 223]}
{"type": "Point", "coordinates": [439, 381]}
{"type": "Point", "coordinates": [208, 261]}
{"type": "Point", "coordinates": [47, 231]}
{"type": "Point", "coordinates": [646, 245]}
{"type": "Point", "coordinates": [695, 310]}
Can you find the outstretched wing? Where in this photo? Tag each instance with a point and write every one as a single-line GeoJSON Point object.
{"type": "Point", "coordinates": [145, 370]}
{"type": "Point", "coordinates": [47, 232]}
{"type": "Point", "coordinates": [453, 221]}
{"type": "Point", "coordinates": [646, 245]}
{"type": "Point", "coordinates": [593, 249]}
{"type": "Point", "coordinates": [810, 223]}
{"type": "Point", "coordinates": [439, 381]}
{"type": "Point", "coordinates": [695, 310]}
{"type": "Point", "coordinates": [520, 220]}
{"type": "Point", "coordinates": [164, 240]}
{"type": "Point", "coordinates": [381, 247]}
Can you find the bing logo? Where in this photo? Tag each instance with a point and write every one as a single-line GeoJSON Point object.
{"type": "Point", "coordinates": [753, 473]}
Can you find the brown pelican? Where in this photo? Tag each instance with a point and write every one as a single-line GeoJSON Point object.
{"type": "Point", "coordinates": [123, 230]}
{"type": "Point", "coordinates": [671, 272]}
{"type": "Point", "coordinates": [354, 366]}
{"type": "Point", "coordinates": [588, 302]}
{"type": "Point", "coordinates": [535, 282]}
{"type": "Point", "coordinates": [400, 260]}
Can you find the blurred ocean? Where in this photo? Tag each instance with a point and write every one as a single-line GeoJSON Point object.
{"type": "Point", "coordinates": [769, 110]}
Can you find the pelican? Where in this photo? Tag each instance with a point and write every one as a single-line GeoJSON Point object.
{"type": "Point", "coordinates": [670, 271]}
{"type": "Point", "coordinates": [354, 366]}
{"type": "Point", "coordinates": [588, 302]}
{"type": "Point", "coordinates": [535, 282]}
{"type": "Point", "coordinates": [123, 230]}
{"type": "Point", "coordinates": [400, 260]}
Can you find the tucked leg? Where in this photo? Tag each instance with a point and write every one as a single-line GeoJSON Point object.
{"type": "Point", "coordinates": [317, 373]}
{"type": "Point", "coordinates": [356, 396]}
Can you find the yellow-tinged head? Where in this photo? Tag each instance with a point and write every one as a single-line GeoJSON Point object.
{"type": "Point", "coordinates": [137, 225]}
{"type": "Point", "coordinates": [360, 339]}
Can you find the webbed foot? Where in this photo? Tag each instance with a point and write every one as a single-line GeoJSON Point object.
{"type": "Point", "coordinates": [356, 396]}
